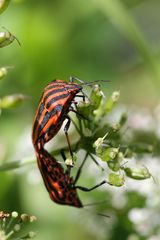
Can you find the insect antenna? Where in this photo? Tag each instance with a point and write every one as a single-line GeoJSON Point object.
{"type": "Point", "coordinates": [95, 204]}
{"type": "Point", "coordinates": [93, 82]}
{"type": "Point", "coordinates": [99, 214]}
{"type": "Point", "coordinates": [82, 82]}
{"type": "Point", "coordinates": [73, 79]}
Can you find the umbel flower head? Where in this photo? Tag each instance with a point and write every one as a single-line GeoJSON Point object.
{"type": "Point", "coordinates": [12, 225]}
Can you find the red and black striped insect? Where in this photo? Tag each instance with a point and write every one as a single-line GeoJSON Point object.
{"type": "Point", "coordinates": [53, 109]}
{"type": "Point", "coordinates": [61, 186]}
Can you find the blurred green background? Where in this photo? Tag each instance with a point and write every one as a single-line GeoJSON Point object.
{"type": "Point", "coordinates": [114, 40]}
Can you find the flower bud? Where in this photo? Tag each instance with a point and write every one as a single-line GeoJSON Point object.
{"type": "Point", "coordinates": [96, 96]}
{"type": "Point", "coordinates": [115, 96]}
{"type": "Point", "coordinates": [25, 217]}
{"type": "Point", "coordinates": [114, 165]}
{"type": "Point", "coordinates": [6, 38]}
{"type": "Point", "coordinates": [116, 127]}
{"type": "Point", "coordinates": [138, 174]}
{"type": "Point", "coordinates": [98, 145]}
{"type": "Point", "coordinates": [14, 214]}
{"type": "Point", "coordinates": [69, 162]}
{"type": "Point", "coordinates": [116, 180]}
{"type": "Point", "coordinates": [17, 227]}
{"type": "Point", "coordinates": [111, 101]}
{"type": "Point", "coordinates": [109, 154]}
{"type": "Point", "coordinates": [11, 101]}
{"type": "Point", "coordinates": [114, 159]}
{"type": "Point", "coordinates": [3, 5]}
{"type": "Point", "coordinates": [106, 107]}
{"type": "Point", "coordinates": [33, 218]}
{"type": "Point", "coordinates": [31, 234]}
{"type": "Point", "coordinates": [3, 72]}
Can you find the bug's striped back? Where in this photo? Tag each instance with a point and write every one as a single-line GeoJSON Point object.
{"type": "Point", "coordinates": [60, 186]}
{"type": "Point", "coordinates": [52, 110]}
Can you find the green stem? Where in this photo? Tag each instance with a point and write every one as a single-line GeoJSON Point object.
{"type": "Point", "coordinates": [16, 164]}
{"type": "Point", "coordinates": [27, 161]}
{"type": "Point", "coordinates": [8, 225]}
{"type": "Point", "coordinates": [9, 235]}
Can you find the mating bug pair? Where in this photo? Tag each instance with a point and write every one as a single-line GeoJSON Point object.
{"type": "Point", "coordinates": [54, 106]}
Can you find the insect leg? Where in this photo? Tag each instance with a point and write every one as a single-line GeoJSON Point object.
{"type": "Point", "coordinates": [78, 175]}
{"type": "Point", "coordinates": [63, 155]}
{"type": "Point", "coordinates": [80, 169]}
{"type": "Point", "coordinates": [72, 109]}
{"type": "Point", "coordinates": [92, 188]}
{"type": "Point", "coordinates": [95, 161]}
{"type": "Point", "coordinates": [68, 170]}
{"type": "Point", "coordinates": [66, 127]}
{"type": "Point", "coordinates": [80, 96]}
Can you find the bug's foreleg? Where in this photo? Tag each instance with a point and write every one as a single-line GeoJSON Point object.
{"type": "Point", "coordinates": [79, 114]}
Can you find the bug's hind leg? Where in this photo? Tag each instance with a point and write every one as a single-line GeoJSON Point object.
{"type": "Point", "coordinates": [63, 155]}
{"type": "Point", "coordinates": [66, 127]}
{"type": "Point", "coordinates": [82, 164]}
{"type": "Point", "coordinates": [85, 189]}
{"type": "Point", "coordinates": [80, 169]}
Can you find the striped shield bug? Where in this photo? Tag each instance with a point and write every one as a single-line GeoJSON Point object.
{"type": "Point", "coordinates": [60, 185]}
{"type": "Point", "coordinates": [52, 110]}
